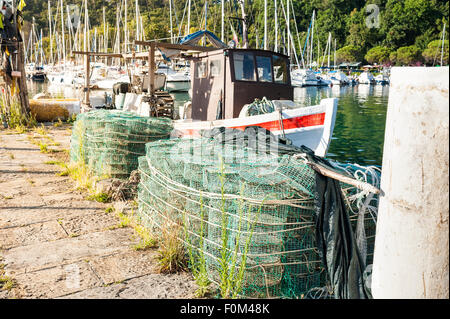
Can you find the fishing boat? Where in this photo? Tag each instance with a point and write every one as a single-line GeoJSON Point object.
{"type": "Point", "coordinates": [225, 84]}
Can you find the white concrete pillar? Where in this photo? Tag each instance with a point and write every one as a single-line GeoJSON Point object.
{"type": "Point", "coordinates": [412, 240]}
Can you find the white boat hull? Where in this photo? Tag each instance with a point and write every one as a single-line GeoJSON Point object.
{"type": "Point", "coordinates": [310, 126]}
{"type": "Point", "coordinates": [178, 86]}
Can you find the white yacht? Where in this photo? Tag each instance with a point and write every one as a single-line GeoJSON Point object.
{"type": "Point", "coordinates": [366, 78]}
{"type": "Point", "coordinates": [338, 78]}
{"type": "Point", "coordinates": [175, 81]}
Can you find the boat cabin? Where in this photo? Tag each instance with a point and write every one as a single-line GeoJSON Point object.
{"type": "Point", "coordinates": [223, 81]}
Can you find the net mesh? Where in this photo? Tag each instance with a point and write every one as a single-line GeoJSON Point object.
{"type": "Point", "coordinates": [242, 209]}
{"type": "Point", "coordinates": [110, 142]}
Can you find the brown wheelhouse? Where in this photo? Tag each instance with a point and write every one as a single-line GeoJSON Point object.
{"type": "Point", "coordinates": [223, 81]}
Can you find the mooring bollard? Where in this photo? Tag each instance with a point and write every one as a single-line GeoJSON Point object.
{"type": "Point", "coordinates": [412, 240]}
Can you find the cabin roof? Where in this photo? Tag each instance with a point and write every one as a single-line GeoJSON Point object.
{"type": "Point", "coordinates": [214, 52]}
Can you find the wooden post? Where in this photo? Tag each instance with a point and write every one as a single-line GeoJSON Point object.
{"type": "Point", "coordinates": [86, 103]}
{"type": "Point", "coordinates": [151, 71]}
{"type": "Point", "coordinates": [23, 90]}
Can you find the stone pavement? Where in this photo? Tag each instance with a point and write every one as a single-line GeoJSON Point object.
{"type": "Point", "coordinates": [54, 243]}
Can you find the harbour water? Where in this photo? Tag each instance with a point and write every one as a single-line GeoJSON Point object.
{"type": "Point", "coordinates": [358, 135]}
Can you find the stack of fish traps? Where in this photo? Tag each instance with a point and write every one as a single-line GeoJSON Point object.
{"type": "Point", "coordinates": [239, 209]}
{"type": "Point", "coordinates": [110, 142]}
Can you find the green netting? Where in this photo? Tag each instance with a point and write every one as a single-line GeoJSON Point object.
{"type": "Point", "coordinates": [239, 209]}
{"type": "Point", "coordinates": [110, 142]}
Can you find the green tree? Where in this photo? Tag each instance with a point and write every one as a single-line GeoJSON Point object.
{"type": "Point", "coordinates": [432, 53]}
{"type": "Point", "coordinates": [404, 20]}
{"type": "Point", "coordinates": [408, 55]}
{"type": "Point", "coordinates": [378, 54]}
{"type": "Point", "coordinates": [349, 53]}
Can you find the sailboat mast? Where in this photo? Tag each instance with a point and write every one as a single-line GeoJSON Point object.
{"type": "Point", "coordinates": [126, 27]}
{"type": "Point", "coordinates": [318, 53]}
{"type": "Point", "coordinates": [137, 19]}
{"type": "Point", "coordinates": [443, 41]}
{"type": "Point", "coordinates": [32, 40]}
{"type": "Point", "coordinates": [288, 28]}
{"type": "Point", "coordinates": [276, 25]}
{"type": "Point", "coordinates": [244, 25]}
{"type": "Point", "coordinates": [329, 49]}
{"type": "Point", "coordinates": [170, 17]}
{"type": "Point", "coordinates": [41, 50]}
{"type": "Point", "coordinates": [50, 30]}
{"type": "Point", "coordinates": [312, 39]}
{"type": "Point", "coordinates": [223, 21]}
{"type": "Point", "coordinates": [189, 18]}
{"type": "Point", "coordinates": [86, 30]}
{"type": "Point", "coordinates": [265, 24]}
{"type": "Point", "coordinates": [104, 29]}
{"type": "Point", "coordinates": [63, 38]}
{"type": "Point", "coordinates": [70, 26]}
{"type": "Point", "coordinates": [335, 54]}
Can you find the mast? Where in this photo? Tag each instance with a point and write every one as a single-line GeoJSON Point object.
{"type": "Point", "coordinates": [50, 30]}
{"type": "Point", "coordinates": [126, 27]}
{"type": "Point", "coordinates": [70, 26]}
{"type": "Point", "coordinates": [223, 21]}
{"type": "Point", "coordinates": [443, 41]}
{"type": "Point", "coordinates": [329, 49]}
{"type": "Point", "coordinates": [288, 29]}
{"type": "Point", "coordinates": [298, 36]}
{"type": "Point", "coordinates": [117, 44]}
{"type": "Point", "coordinates": [171, 27]}
{"type": "Point", "coordinates": [86, 29]}
{"type": "Point", "coordinates": [32, 40]}
{"type": "Point", "coordinates": [335, 54]}
{"type": "Point", "coordinates": [276, 25]}
{"type": "Point", "coordinates": [244, 25]}
{"type": "Point", "coordinates": [63, 38]}
{"type": "Point", "coordinates": [318, 52]}
{"type": "Point", "coordinates": [41, 49]}
{"type": "Point", "coordinates": [104, 30]}
{"type": "Point", "coordinates": [265, 24]}
{"type": "Point", "coordinates": [312, 39]}
{"type": "Point", "coordinates": [189, 18]}
{"type": "Point", "coordinates": [138, 24]}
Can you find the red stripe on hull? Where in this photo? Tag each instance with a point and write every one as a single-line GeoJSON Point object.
{"type": "Point", "coordinates": [291, 123]}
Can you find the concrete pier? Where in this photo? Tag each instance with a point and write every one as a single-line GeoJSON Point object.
{"type": "Point", "coordinates": [412, 242]}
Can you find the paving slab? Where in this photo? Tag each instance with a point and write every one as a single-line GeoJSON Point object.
{"type": "Point", "coordinates": [153, 286]}
{"type": "Point", "coordinates": [124, 266]}
{"type": "Point", "coordinates": [48, 254]}
{"type": "Point", "coordinates": [88, 223]}
{"type": "Point", "coordinates": [21, 216]}
{"type": "Point", "coordinates": [31, 234]}
{"type": "Point", "coordinates": [56, 281]}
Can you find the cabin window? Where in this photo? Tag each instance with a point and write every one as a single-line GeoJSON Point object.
{"type": "Point", "coordinates": [264, 67]}
{"type": "Point", "coordinates": [244, 66]}
{"type": "Point", "coordinates": [201, 70]}
{"type": "Point", "coordinates": [280, 69]}
{"type": "Point", "coordinates": [214, 68]}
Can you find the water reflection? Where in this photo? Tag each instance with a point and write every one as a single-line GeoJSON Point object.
{"type": "Point", "coordinates": [358, 135]}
